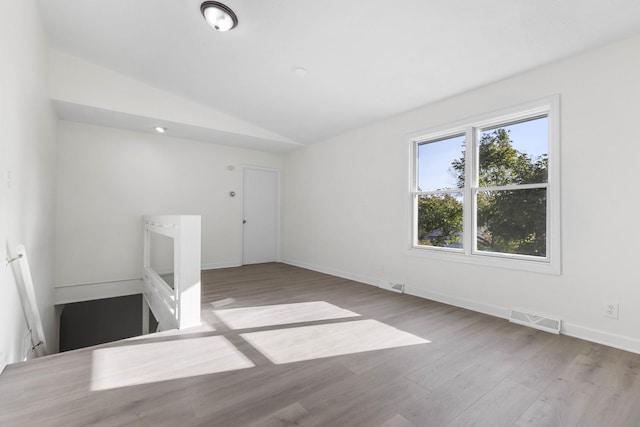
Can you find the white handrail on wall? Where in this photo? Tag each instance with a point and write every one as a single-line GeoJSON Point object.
{"type": "Point", "coordinates": [177, 306]}
{"type": "Point", "coordinates": [28, 293]}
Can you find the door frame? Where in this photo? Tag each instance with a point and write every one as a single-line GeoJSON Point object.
{"type": "Point", "coordinates": [278, 211]}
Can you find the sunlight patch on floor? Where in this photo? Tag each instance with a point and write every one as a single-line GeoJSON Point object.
{"type": "Point", "coordinates": [145, 363]}
{"type": "Point", "coordinates": [223, 302]}
{"type": "Point", "coordinates": [318, 341]}
{"type": "Point", "coordinates": [203, 328]}
{"type": "Point", "coordinates": [281, 314]}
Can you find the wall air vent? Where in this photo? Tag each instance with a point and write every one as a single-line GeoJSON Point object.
{"type": "Point", "coordinates": [537, 321]}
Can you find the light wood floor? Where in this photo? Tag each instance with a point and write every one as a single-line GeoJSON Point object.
{"type": "Point", "coordinates": [324, 363]}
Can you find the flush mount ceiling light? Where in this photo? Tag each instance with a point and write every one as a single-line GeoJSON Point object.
{"type": "Point", "coordinates": [219, 16]}
{"type": "Point", "coordinates": [160, 129]}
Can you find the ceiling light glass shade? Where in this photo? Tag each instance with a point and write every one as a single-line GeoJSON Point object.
{"type": "Point", "coordinates": [218, 16]}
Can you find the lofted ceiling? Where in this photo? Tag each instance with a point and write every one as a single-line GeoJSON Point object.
{"type": "Point", "coordinates": [365, 59]}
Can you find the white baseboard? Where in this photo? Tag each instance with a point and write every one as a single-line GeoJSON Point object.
{"type": "Point", "coordinates": [410, 290]}
{"type": "Point", "coordinates": [600, 337]}
{"type": "Point", "coordinates": [350, 276]}
{"type": "Point", "coordinates": [569, 329]}
{"type": "Point", "coordinates": [217, 265]}
{"type": "Point", "coordinates": [65, 294]}
{"type": "Point", "coordinates": [491, 310]}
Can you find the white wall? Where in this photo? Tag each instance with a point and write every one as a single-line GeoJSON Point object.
{"type": "Point", "coordinates": [27, 149]}
{"type": "Point", "coordinates": [346, 201]}
{"type": "Point", "coordinates": [108, 178]}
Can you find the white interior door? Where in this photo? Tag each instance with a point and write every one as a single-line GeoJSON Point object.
{"type": "Point", "coordinates": [261, 216]}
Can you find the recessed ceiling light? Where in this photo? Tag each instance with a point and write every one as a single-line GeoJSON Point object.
{"type": "Point", "coordinates": [300, 71]}
{"type": "Point", "coordinates": [160, 129]}
{"type": "Point", "coordinates": [218, 16]}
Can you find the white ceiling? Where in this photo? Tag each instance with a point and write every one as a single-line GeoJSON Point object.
{"type": "Point", "coordinates": [366, 59]}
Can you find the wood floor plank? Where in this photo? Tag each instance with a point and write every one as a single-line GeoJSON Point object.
{"type": "Point", "coordinates": [501, 406]}
{"type": "Point", "coordinates": [540, 371]}
{"type": "Point", "coordinates": [474, 370]}
{"type": "Point", "coordinates": [288, 416]}
{"type": "Point", "coordinates": [614, 409]}
{"type": "Point", "coordinates": [397, 421]}
{"type": "Point", "coordinates": [367, 407]}
{"type": "Point", "coordinates": [562, 404]}
{"type": "Point", "coordinates": [370, 397]}
{"type": "Point", "coordinates": [608, 368]}
{"type": "Point", "coordinates": [450, 399]}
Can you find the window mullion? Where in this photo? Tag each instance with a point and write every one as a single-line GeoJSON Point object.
{"type": "Point", "coordinates": [470, 180]}
{"type": "Point", "coordinates": [510, 187]}
{"type": "Point", "coordinates": [414, 189]}
{"type": "Point", "coordinates": [436, 192]}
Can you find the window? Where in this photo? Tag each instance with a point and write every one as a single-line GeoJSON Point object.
{"type": "Point", "coordinates": [486, 190]}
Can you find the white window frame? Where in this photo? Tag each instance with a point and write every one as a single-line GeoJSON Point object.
{"type": "Point", "coordinates": [471, 128]}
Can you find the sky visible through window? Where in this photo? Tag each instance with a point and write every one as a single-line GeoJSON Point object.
{"type": "Point", "coordinates": [434, 159]}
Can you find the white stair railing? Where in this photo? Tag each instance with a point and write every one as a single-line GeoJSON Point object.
{"type": "Point", "coordinates": [173, 296]}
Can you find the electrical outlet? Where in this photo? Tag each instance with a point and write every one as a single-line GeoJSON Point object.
{"type": "Point", "coordinates": [611, 310]}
